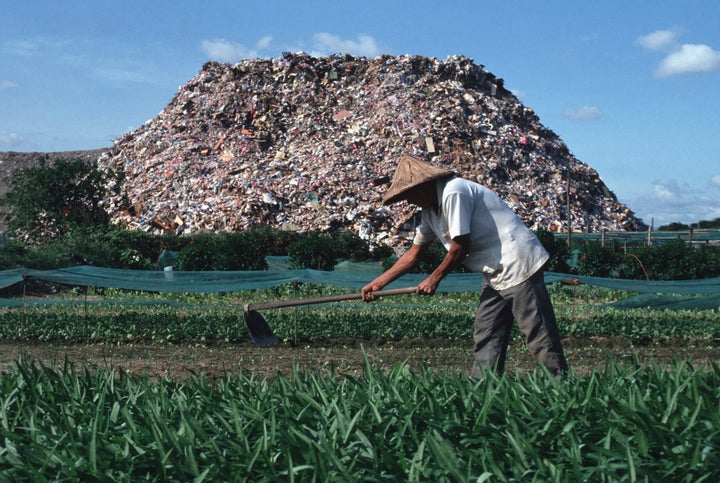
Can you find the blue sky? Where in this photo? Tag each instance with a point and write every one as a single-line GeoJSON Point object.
{"type": "Point", "coordinates": [632, 87]}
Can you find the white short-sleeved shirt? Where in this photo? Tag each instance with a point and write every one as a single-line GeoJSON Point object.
{"type": "Point", "coordinates": [501, 247]}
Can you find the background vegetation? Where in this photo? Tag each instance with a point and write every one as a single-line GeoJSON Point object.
{"type": "Point", "coordinates": [55, 217]}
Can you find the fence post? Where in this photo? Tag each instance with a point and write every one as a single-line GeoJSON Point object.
{"type": "Point", "coordinates": [649, 239]}
{"type": "Point", "coordinates": [602, 238]}
{"type": "Point", "coordinates": [567, 208]}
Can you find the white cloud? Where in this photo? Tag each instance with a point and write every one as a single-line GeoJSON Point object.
{"type": "Point", "coordinates": [669, 201]}
{"type": "Point", "coordinates": [688, 59]}
{"type": "Point", "coordinates": [264, 42]}
{"type": "Point", "coordinates": [584, 113]}
{"type": "Point", "coordinates": [225, 51]}
{"type": "Point", "coordinates": [324, 44]}
{"type": "Point", "coordinates": [364, 46]}
{"type": "Point", "coordinates": [680, 58]}
{"type": "Point", "coordinates": [121, 75]}
{"type": "Point", "coordinates": [7, 85]}
{"type": "Point", "coordinates": [716, 181]}
{"type": "Point", "coordinates": [23, 47]}
{"type": "Point", "coordinates": [30, 47]}
{"type": "Point", "coordinates": [667, 190]}
{"type": "Point", "coordinates": [10, 139]}
{"type": "Point", "coordinates": [659, 40]}
{"type": "Point", "coordinates": [591, 37]}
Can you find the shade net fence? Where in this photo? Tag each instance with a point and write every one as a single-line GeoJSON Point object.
{"type": "Point", "coordinates": [677, 294]}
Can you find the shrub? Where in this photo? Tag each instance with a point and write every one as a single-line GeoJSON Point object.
{"type": "Point", "coordinates": [598, 261]}
{"type": "Point", "coordinates": [432, 258]}
{"type": "Point", "coordinates": [269, 241]}
{"type": "Point", "coordinates": [558, 250]}
{"type": "Point", "coordinates": [673, 260]}
{"type": "Point", "coordinates": [11, 255]}
{"type": "Point", "coordinates": [350, 246]}
{"type": "Point", "coordinates": [237, 251]}
{"type": "Point", "coordinates": [313, 250]}
{"type": "Point", "coordinates": [381, 251]}
{"type": "Point", "coordinates": [197, 255]}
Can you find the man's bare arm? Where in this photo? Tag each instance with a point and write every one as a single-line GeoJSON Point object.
{"type": "Point", "coordinates": [459, 248]}
{"type": "Point", "coordinates": [404, 264]}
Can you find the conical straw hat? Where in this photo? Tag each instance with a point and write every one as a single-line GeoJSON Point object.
{"type": "Point", "coordinates": [409, 173]}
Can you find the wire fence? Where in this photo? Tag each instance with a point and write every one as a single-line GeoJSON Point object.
{"type": "Point", "coordinates": [650, 237]}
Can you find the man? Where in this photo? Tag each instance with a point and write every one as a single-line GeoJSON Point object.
{"type": "Point", "coordinates": [483, 233]}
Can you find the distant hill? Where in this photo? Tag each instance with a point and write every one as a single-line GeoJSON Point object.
{"type": "Point", "coordinates": [309, 143]}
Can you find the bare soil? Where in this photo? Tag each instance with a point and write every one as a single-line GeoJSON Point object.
{"type": "Point", "coordinates": [215, 360]}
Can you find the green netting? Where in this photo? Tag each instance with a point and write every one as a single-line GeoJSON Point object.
{"type": "Point", "coordinates": [349, 276]}
{"type": "Point", "coordinates": [11, 277]}
{"type": "Point", "coordinates": [283, 263]}
{"type": "Point", "coordinates": [231, 281]}
{"type": "Point", "coordinates": [668, 302]}
{"type": "Point", "coordinates": [685, 287]}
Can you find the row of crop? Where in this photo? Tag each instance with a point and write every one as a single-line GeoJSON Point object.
{"type": "Point", "coordinates": [624, 423]}
{"type": "Point", "coordinates": [375, 321]}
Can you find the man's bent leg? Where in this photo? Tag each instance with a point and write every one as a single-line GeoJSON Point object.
{"type": "Point", "coordinates": [493, 321]}
{"type": "Point", "coordinates": [536, 318]}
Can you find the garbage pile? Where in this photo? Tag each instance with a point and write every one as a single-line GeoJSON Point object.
{"type": "Point", "coordinates": [306, 143]}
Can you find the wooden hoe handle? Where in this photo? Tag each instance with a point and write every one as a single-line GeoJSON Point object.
{"type": "Point", "coordinates": [275, 304]}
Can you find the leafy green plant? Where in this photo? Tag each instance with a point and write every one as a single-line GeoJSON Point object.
{"type": "Point", "coordinates": [132, 259]}
{"type": "Point", "coordinates": [432, 258]}
{"type": "Point", "coordinates": [672, 260]}
{"type": "Point", "coordinates": [268, 240]}
{"type": "Point", "coordinates": [313, 250]}
{"type": "Point", "coordinates": [351, 247]}
{"type": "Point", "coordinates": [622, 422]}
{"type": "Point", "coordinates": [49, 200]}
{"type": "Point", "coordinates": [12, 254]}
{"type": "Point", "coordinates": [597, 260]}
{"type": "Point", "coordinates": [235, 251]}
{"type": "Point", "coordinates": [124, 316]}
{"type": "Point", "coordinates": [197, 255]}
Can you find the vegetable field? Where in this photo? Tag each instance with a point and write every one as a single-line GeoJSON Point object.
{"type": "Point", "coordinates": [624, 423]}
{"type": "Point", "coordinates": [127, 387]}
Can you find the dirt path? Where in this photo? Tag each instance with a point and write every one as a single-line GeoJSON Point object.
{"type": "Point", "coordinates": [344, 357]}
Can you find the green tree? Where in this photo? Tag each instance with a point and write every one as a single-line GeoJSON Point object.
{"type": "Point", "coordinates": [709, 224]}
{"type": "Point", "coordinates": [702, 224]}
{"type": "Point", "coordinates": [674, 226]}
{"type": "Point", "coordinates": [47, 200]}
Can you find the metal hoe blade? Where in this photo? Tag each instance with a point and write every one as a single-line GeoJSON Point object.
{"type": "Point", "coordinates": [259, 329]}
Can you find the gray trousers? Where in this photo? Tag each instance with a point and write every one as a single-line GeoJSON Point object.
{"type": "Point", "coordinates": [529, 304]}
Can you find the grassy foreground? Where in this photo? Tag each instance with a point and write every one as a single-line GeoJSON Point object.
{"type": "Point", "coordinates": [623, 423]}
